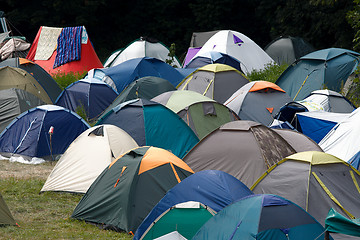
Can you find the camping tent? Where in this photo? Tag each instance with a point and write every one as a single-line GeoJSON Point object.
{"type": "Point", "coordinates": [246, 151]}
{"type": "Point", "coordinates": [330, 101]}
{"type": "Point", "coordinates": [213, 57]}
{"type": "Point", "coordinates": [120, 76]}
{"type": "Point", "coordinates": [142, 47]}
{"type": "Point", "coordinates": [262, 217]}
{"type": "Point", "coordinates": [89, 95]}
{"type": "Point", "coordinates": [216, 81]}
{"type": "Point", "coordinates": [145, 87]}
{"type": "Point", "coordinates": [335, 222]}
{"type": "Point", "coordinates": [186, 218]}
{"type": "Point", "coordinates": [6, 217]}
{"type": "Point", "coordinates": [326, 68]}
{"type": "Point", "coordinates": [239, 46]}
{"type": "Point", "coordinates": [63, 50]}
{"type": "Point", "coordinates": [287, 49]}
{"type": "Point", "coordinates": [41, 132]}
{"type": "Point", "coordinates": [201, 113]}
{"type": "Point", "coordinates": [316, 181]}
{"type": "Point", "coordinates": [341, 141]}
{"type": "Point", "coordinates": [258, 101]}
{"type": "Point", "coordinates": [13, 102]}
{"type": "Point", "coordinates": [86, 157]}
{"type": "Point", "coordinates": [152, 124]}
{"type": "Point", "coordinates": [13, 77]}
{"type": "Point", "coordinates": [298, 141]}
{"type": "Point", "coordinates": [127, 190]}
{"type": "Point", "coordinates": [316, 124]}
{"type": "Point", "coordinates": [213, 188]}
{"type": "Point", "coordinates": [44, 78]}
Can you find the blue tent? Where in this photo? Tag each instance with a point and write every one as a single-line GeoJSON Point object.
{"type": "Point", "coordinates": [213, 188]}
{"type": "Point", "coordinates": [317, 124]}
{"type": "Point", "coordinates": [28, 134]}
{"type": "Point", "coordinates": [120, 76]}
{"type": "Point", "coordinates": [91, 94]}
{"type": "Point", "coordinates": [327, 68]}
{"type": "Point", "coordinates": [262, 217]}
{"type": "Point", "coordinates": [152, 124]}
{"type": "Point", "coordinates": [214, 57]}
{"type": "Point", "coordinates": [355, 161]}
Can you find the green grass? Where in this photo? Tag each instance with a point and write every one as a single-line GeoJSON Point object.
{"type": "Point", "coordinates": [270, 73]}
{"type": "Point", "coordinates": [46, 215]}
{"type": "Point", "coordinates": [64, 80]}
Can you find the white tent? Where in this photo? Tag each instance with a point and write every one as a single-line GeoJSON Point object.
{"type": "Point", "coordinates": [343, 139]}
{"type": "Point", "coordinates": [140, 48]}
{"type": "Point", "coordinates": [330, 101]}
{"type": "Point", "coordinates": [88, 155]}
{"type": "Point", "coordinates": [239, 46]}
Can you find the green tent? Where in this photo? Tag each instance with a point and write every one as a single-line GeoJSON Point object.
{"type": "Point", "coordinates": [337, 223]}
{"type": "Point", "coordinates": [202, 114]}
{"type": "Point", "coordinates": [126, 191]}
{"type": "Point", "coordinates": [185, 218]}
{"type": "Point", "coordinates": [5, 215]}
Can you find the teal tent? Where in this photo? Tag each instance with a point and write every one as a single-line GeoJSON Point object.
{"type": "Point", "coordinates": [261, 217]}
{"type": "Point", "coordinates": [152, 124]}
{"type": "Point", "coordinates": [337, 223]}
{"type": "Point", "coordinates": [327, 68]}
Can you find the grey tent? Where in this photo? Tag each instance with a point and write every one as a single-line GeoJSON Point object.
{"type": "Point", "coordinates": [6, 217]}
{"type": "Point", "coordinates": [198, 39]}
{"type": "Point", "coordinates": [14, 101]}
{"type": "Point", "coordinates": [244, 149]}
{"type": "Point", "coordinates": [258, 101]}
{"type": "Point", "coordinates": [287, 49]}
{"type": "Point", "coordinates": [298, 141]}
{"type": "Point", "coordinates": [317, 182]}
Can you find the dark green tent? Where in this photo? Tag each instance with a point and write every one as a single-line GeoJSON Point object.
{"type": "Point", "coordinates": [5, 215]}
{"type": "Point", "coordinates": [127, 190]}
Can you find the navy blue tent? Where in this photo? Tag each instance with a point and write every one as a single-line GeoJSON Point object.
{"type": "Point", "coordinates": [213, 188]}
{"type": "Point", "coordinates": [152, 124]}
{"type": "Point", "coordinates": [120, 76]}
{"type": "Point", "coordinates": [214, 57]}
{"type": "Point", "coordinates": [91, 94]}
{"type": "Point", "coordinates": [327, 68]}
{"type": "Point", "coordinates": [30, 134]}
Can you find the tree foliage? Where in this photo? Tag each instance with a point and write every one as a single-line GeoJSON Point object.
{"type": "Point", "coordinates": [114, 24]}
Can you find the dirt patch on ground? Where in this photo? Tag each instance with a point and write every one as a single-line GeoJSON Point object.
{"type": "Point", "coordinates": [25, 171]}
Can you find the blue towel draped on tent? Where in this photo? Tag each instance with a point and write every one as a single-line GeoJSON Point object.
{"type": "Point", "coordinates": [68, 46]}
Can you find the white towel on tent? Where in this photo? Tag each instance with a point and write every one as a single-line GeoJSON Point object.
{"type": "Point", "coordinates": [47, 42]}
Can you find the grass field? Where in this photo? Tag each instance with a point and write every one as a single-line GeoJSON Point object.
{"type": "Point", "coordinates": [46, 215]}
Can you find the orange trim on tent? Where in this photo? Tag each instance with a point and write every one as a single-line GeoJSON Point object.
{"type": "Point", "coordinates": [24, 61]}
{"type": "Point", "coordinates": [261, 85]}
{"type": "Point", "coordinates": [270, 110]}
{"type": "Point", "coordinates": [152, 160]}
{"type": "Point", "coordinates": [176, 175]}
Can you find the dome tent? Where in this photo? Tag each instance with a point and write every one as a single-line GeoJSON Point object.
{"type": "Point", "coordinates": [44, 78]}
{"type": "Point", "coordinates": [41, 132]}
{"type": "Point", "coordinates": [90, 94]}
{"type": "Point", "coordinates": [127, 190]}
{"type": "Point", "coordinates": [13, 102]}
{"type": "Point", "coordinates": [216, 81]}
{"type": "Point", "coordinates": [142, 47]}
{"type": "Point", "coordinates": [246, 151]}
{"type": "Point", "coordinates": [152, 124]}
{"type": "Point", "coordinates": [316, 181]}
{"type": "Point", "coordinates": [86, 157]}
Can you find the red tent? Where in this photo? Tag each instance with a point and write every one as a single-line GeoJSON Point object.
{"type": "Point", "coordinates": [47, 40]}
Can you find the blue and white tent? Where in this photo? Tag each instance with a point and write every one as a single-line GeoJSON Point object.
{"type": "Point", "coordinates": [91, 94]}
{"type": "Point", "coordinates": [42, 132]}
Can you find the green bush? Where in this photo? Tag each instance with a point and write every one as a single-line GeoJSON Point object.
{"type": "Point", "coordinates": [65, 79]}
{"type": "Point", "coordinates": [270, 73]}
